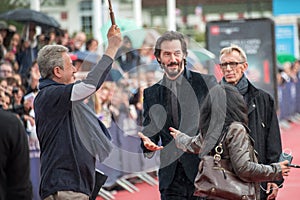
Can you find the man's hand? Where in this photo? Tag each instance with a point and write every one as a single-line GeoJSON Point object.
{"type": "Point", "coordinates": [148, 143]}
{"type": "Point", "coordinates": [274, 190]}
{"type": "Point", "coordinates": [114, 41]}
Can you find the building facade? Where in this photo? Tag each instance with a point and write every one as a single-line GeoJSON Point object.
{"type": "Point", "coordinates": [76, 15]}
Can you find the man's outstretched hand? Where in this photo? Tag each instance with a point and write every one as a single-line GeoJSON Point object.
{"type": "Point", "coordinates": [148, 143]}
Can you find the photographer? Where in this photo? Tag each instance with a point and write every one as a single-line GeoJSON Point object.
{"type": "Point", "coordinates": [23, 105]}
{"type": "Point", "coordinates": [4, 97]}
{"type": "Point", "coordinates": [15, 94]}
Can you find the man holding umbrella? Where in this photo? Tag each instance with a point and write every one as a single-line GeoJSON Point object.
{"type": "Point", "coordinates": [27, 15]}
{"type": "Point", "coordinates": [31, 19]}
{"type": "Point", "coordinates": [28, 51]}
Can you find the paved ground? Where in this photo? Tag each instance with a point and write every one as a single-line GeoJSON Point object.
{"type": "Point", "coordinates": [291, 142]}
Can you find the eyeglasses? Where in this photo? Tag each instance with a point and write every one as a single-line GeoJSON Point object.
{"type": "Point", "coordinates": [6, 71]}
{"type": "Point", "coordinates": [231, 64]}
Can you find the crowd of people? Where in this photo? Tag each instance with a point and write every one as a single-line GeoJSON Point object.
{"type": "Point", "coordinates": [288, 77]}
{"type": "Point", "coordinates": [117, 103]}
{"type": "Point", "coordinates": [19, 74]}
{"type": "Point", "coordinates": [126, 98]}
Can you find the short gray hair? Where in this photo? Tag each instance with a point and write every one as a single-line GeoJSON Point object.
{"type": "Point", "coordinates": [233, 47]}
{"type": "Point", "coordinates": [50, 56]}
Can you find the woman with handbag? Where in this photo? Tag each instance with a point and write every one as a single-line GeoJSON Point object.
{"type": "Point", "coordinates": [228, 168]}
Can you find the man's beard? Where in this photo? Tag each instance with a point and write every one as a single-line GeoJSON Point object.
{"type": "Point", "coordinates": [170, 72]}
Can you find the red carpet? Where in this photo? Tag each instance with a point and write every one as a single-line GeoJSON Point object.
{"type": "Point", "coordinates": [291, 142]}
{"type": "Point", "coordinates": [146, 192]}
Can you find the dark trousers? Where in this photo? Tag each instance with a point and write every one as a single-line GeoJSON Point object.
{"type": "Point", "coordinates": [181, 187]}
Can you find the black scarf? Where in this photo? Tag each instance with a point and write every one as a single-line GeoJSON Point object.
{"type": "Point", "coordinates": [241, 86]}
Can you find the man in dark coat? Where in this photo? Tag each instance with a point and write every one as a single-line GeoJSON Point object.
{"type": "Point", "coordinates": [263, 121]}
{"type": "Point", "coordinates": [177, 169]}
{"type": "Point", "coordinates": [15, 181]}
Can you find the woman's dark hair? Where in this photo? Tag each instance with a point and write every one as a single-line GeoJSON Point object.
{"type": "Point", "coordinates": [220, 108]}
{"type": "Point", "coordinates": [89, 42]}
{"type": "Point", "coordinates": [169, 36]}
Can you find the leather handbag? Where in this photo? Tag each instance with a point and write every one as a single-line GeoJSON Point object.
{"type": "Point", "coordinates": [216, 179]}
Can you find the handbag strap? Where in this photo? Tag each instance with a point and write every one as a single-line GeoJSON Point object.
{"type": "Point", "coordinates": [222, 136]}
{"type": "Point", "coordinates": [219, 148]}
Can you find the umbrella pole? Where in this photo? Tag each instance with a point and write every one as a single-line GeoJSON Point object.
{"type": "Point", "coordinates": [111, 13]}
{"type": "Point", "coordinates": [27, 32]}
{"type": "Point", "coordinates": [138, 76]}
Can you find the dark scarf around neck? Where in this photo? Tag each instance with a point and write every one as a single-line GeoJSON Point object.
{"type": "Point", "coordinates": [241, 86]}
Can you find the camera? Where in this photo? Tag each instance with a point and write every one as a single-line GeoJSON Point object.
{"type": "Point", "coordinates": [289, 157]}
{"type": "Point", "coordinates": [15, 90]}
{"type": "Point", "coordinates": [285, 156]}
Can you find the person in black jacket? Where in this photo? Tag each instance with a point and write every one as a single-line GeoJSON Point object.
{"type": "Point", "coordinates": [263, 121]}
{"type": "Point", "coordinates": [15, 181]}
{"type": "Point", "coordinates": [173, 102]}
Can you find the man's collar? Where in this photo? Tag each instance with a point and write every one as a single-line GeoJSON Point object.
{"type": "Point", "coordinates": [46, 82]}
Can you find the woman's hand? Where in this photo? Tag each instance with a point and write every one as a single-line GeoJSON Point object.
{"type": "Point", "coordinates": [285, 169]}
{"type": "Point", "coordinates": [174, 132]}
{"type": "Point", "coordinates": [148, 143]}
{"type": "Point", "coordinates": [274, 188]}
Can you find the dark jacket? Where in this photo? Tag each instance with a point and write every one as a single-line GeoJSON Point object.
{"type": "Point", "coordinates": [263, 123]}
{"type": "Point", "coordinates": [25, 59]}
{"type": "Point", "coordinates": [264, 128]}
{"type": "Point", "coordinates": [158, 119]}
{"type": "Point", "coordinates": [15, 181]}
{"type": "Point", "coordinates": [61, 166]}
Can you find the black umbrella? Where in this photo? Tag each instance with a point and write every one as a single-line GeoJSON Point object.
{"type": "Point", "coordinates": [28, 15]}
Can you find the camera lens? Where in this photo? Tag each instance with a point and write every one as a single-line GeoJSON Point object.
{"type": "Point", "coordinates": [15, 90]}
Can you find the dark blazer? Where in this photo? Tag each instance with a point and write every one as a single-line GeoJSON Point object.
{"type": "Point", "coordinates": [14, 159]}
{"type": "Point", "coordinates": [263, 123]}
{"type": "Point", "coordinates": [158, 118]}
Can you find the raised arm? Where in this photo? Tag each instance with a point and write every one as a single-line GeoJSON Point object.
{"type": "Point", "coordinates": [97, 75]}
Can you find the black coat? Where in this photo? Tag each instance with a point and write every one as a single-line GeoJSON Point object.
{"type": "Point", "coordinates": [263, 124]}
{"type": "Point", "coordinates": [158, 119]}
{"type": "Point", "coordinates": [15, 181]}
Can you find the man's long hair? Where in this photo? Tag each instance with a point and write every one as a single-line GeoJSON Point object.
{"type": "Point", "coordinates": [169, 36]}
